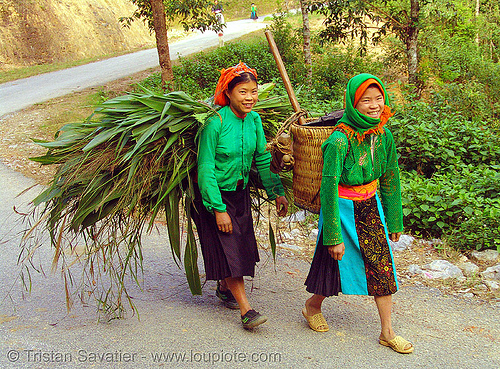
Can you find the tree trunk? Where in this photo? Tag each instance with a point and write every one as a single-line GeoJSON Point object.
{"type": "Point", "coordinates": [412, 46]}
{"type": "Point", "coordinates": [160, 27]}
{"type": "Point", "coordinates": [306, 31]}
{"type": "Point", "coordinates": [478, 7]}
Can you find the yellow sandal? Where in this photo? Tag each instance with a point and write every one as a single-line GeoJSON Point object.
{"type": "Point", "coordinates": [316, 321]}
{"type": "Point", "coordinates": [398, 344]}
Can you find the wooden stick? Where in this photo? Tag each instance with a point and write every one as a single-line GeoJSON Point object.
{"type": "Point", "coordinates": [284, 74]}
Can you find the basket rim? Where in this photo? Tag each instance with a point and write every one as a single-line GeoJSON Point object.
{"type": "Point", "coordinates": [297, 125]}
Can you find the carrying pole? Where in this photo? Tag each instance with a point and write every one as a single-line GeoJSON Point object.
{"type": "Point", "coordinates": [284, 74]}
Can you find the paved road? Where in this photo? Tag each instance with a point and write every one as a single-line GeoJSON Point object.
{"type": "Point", "coordinates": [36, 331]}
{"type": "Point", "coordinates": [17, 95]}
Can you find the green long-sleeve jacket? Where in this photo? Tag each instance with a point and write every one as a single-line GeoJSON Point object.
{"type": "Point", "coordinates": [358, 169]}
{"type": "Point", "coordinates": [227, 146]}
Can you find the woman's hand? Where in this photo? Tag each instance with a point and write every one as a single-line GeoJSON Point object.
{"type": "Point", "coordinates": [337, 251]}
{"type": "Point", "coordinates": [394, 237]}
{"type": "Point", "coordinates": [224, 222]}
{"type": "Point", "coordinates": [281, 205]}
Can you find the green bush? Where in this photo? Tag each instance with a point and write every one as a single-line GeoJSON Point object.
{"type": "Point", "coordinates": [333, 69]}
{"type": "Point", "coordinates": [198, 75]}
{"type": "Point", "coordinates": [463, 76]}
{"type": "Point", "coordinates": [479, 232]}
{"type": "Point", "coordinates": [450, 161]}
{"type": "Point", "coordinates": [450, 174]}
{"type": "Point", "coordinates": [451, 204]}
{"type": "Point", "coordinates": [431, 139]}
{"type": "Point", "coordinates": [289, 42]}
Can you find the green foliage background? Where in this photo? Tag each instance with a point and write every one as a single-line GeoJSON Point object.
{"type": "Point", "coordinates": [448, 141]}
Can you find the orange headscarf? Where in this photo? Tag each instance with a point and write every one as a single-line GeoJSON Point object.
{"type": "Point", "coordinates": [226, 76]}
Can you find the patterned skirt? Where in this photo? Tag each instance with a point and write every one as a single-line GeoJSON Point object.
{"type": "Point", "coordinates": [367, 267]}
{"type": "Point", "coordinates": [227, 255]}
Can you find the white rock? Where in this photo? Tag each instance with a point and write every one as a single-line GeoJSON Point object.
{"type": "Point", "coordinates": [480, 287]}
{"type": "Point", "coordinates": [469, 269]}
{"type": "Point", "coordinates": [492, 285]}
{"type": "Point", "coordinates": [463, 259]}
{"type": "Point", "coordinates": [433, 242]}
{"type": "Point", "coordinates": [299, 216]}
{"type": "Point", "coordinates": [468, 295]}
{"type": "Point", "coordinates": [415, 269]}
{"type": "Point", "coordinates": [295, 232]}
{"type": "Point", "coordinates": [313, 235]}
{"type": "Point", "coordinates": [492, 273]}
{"type": "Point", "coordinates": [289, 247]}
{"type": "Point", "coordinates": [405, 241]}
{"type": "Point", "coordinates": [442, 269]}
{"type": "Point", "coordinates": [487, 256]}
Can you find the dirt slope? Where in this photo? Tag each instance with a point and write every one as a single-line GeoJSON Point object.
{"type": "Point", "coordinates": [47, 31]}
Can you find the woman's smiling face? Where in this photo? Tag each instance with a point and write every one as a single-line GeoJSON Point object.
{"type": "Point", "coordinates": [371, 102]}
{"type": "Point", "coordinates": [243, 97]}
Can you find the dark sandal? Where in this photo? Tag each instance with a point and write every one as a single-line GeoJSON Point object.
{"type": "Point", "coordinates": [227, 298]}
{"type": "Point", "coordinates": [252, 319]}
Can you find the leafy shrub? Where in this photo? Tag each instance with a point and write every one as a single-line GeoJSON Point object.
{"type": "Point", "coordinates": [430, 139]}
{"type": "Point", "coordinates": [464, 77]}
{"type": "Point", "coordinates": [479, 232]}
{"type": "Point", "coordinates": [198, 75]}
{"type": "Point", "coordinates": [452, 204]}
{"type": "Point", "coordinates": [333, 69]}
{"type": "Point", "coordinates": [450, 163]}
{"type": "Point", "coordinates": [289, 43]}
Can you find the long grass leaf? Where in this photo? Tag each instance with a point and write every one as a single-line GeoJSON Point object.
{"type": "Point", "coordinates": [173, 224]}
{"type": "Point", "coordinates": [272, 241]}
{"type": "Point", "coordinates": [191, 260]}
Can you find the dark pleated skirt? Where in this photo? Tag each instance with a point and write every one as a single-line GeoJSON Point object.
{"type": "Point", "coordinates": [227, 255]}
{"type": "Point", "coordinates": [367, 267]}
{"type": "Point", "coordinates": [323, 278]}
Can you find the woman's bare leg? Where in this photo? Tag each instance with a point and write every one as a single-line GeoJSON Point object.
{"type": "Point", "coordinates": [384, 306]}
{"type": "Point", "coordinates": [237, 287]}
{"type": "Point", "coordinates": [313, 304]}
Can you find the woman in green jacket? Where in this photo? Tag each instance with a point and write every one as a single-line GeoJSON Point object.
{"type": "Point", "coordinates": [253, 12]}
{"type": "Point", "coordinates": [353, 255]}
{"type": "Point", "coordinates": [228, 144]}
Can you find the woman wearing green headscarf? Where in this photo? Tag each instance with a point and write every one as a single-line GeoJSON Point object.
{"type": "Point", "coordinates": [352, 254]}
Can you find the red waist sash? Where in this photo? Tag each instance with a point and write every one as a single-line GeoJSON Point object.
{"type": "Point", "coordinates": [358, 193]}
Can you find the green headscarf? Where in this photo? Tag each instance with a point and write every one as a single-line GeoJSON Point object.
{"type": "Point", "coordinates": [361, 123]}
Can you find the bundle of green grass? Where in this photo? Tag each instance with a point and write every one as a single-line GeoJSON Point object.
{"type": "Point", "coordinates": [132, 161]}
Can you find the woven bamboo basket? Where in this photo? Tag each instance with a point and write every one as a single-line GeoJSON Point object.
{"type": "Point", "coordinates": [308, 167]}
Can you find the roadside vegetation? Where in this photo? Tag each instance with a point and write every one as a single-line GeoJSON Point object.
{"type": "Point", "coordinates": [448, 140]}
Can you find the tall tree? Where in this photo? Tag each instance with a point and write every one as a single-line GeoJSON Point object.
{"type": "Point", "coordinates": [159, 14]}
{"type": "Point", "coordinates": [352, 19]}
{"type": "Point", "coordinates": [306, 32]}
{"type": "Point", "coordinates": [160, 29]}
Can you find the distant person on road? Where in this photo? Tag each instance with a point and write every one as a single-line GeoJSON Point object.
{"type": "Point", "coordinates": [217, 9]}
{"type": "Point", "coordinates": [253, 12]}
{"type": "Point", "coordinates": [353, 255]}
{"type": "Point", "coordinates": [228, 144]}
